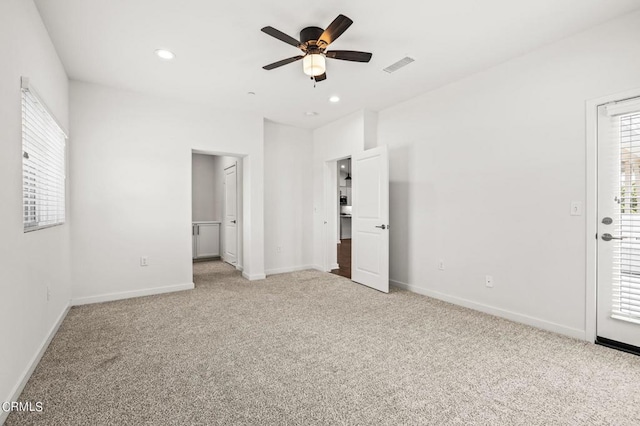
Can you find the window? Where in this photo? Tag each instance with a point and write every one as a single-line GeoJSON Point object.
{"type": "Point", "coordinates": [626, 296]}
{"type": "Point", "coordinates": [43, 164]}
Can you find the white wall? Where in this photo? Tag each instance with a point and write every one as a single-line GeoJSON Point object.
{"type": "Point", "coordinates": [28, 262]}
{"type": "Point", "coordinates": [207, 186]}
{"type": "Point", "coordinates": [132, 188]}
{"type": "Point", "coordinates": [336, 140]}
{"type": "Point", "coordinates": [483, 172]}
{"type": "Point", "coordinates": [288, 198]}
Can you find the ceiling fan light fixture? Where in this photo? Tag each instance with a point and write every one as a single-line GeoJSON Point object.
{"type": "Point", "coordinates": [314, 64]}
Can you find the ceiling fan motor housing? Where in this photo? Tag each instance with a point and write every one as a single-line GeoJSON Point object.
{"type": "Point", "coordinates": [310, 34]}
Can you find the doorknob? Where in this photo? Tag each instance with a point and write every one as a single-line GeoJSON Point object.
{"type": "Point", "coordinates": [609, 237]}
{"type": "Point", "coordinates": [233, 221]}
{"type": "Point", "coordinates": [382, 226]}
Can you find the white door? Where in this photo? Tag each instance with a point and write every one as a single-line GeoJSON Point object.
{"type": "Point", "coordinates": [207, 240]}
{"type": "Point", "coordinates": [618, 280]}
{"type": "Point", "coordinates": [230, 222]}
{"type": "Point", "coordinates": [370, 219]}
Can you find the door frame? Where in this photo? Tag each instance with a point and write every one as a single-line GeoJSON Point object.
{"type": "Point", "coordinates": [591, 206]}
{"type": "Point", "coordinates": [242, 212]}
{"type": "Point", "coordinates": [331, 213]}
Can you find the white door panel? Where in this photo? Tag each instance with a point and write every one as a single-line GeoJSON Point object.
{"type": "Point", "coordinates": [230, 221]}
{"type": "Point", "coordinates": [618, 276]}
{"type": "Point", "coordinates": [370, 219]}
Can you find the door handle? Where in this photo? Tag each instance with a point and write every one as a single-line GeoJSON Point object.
{"type": "Point", "coordinates": [609, 237]}
{"type": "Point", "coordinates": [233, 221]}
{"type": "Point", "coordinates": [382, 226]}
{"type": "Point", "coordinates": [197, 229]}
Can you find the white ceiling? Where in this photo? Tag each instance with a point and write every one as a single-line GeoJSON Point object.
{"type": "Point", "coordinates": [221, 50]}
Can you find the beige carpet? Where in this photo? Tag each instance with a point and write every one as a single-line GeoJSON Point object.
{"type": "Point", "coordinates": [312, 348]}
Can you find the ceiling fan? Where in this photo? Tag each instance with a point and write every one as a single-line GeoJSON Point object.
{"type": "Point", "coordinates": [313, 43]}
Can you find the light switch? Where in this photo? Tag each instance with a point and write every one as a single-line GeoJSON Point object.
{"type": "Point", "coordinates": [576, 208]}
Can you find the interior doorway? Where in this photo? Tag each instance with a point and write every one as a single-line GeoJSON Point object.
{"type": "Point", "coordinates": [344, 204]}
{"type": "Point", "coordinates": [216, 203]}
{"type": "Point", "coordinates": [369, 213]}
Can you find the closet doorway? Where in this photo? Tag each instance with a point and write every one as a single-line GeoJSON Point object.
{"type": "Point", "coordinates": [344, 201]}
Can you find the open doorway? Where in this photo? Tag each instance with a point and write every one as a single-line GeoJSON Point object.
{"type": "Point", "coordinates": [344, 201]}
{"type": "Point", "coordinates": [216, 198]}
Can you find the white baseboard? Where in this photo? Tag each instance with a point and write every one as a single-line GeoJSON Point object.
{"type": "Point", "coordinates": [335, 266]}
{"type": "Point", "coordinates": [287, 269]}
{"type": "Point", "coordinates": [318, 268]}
{"type": "Point", "coordinates": [254, 277]}
{"type": "Point", "coordinates": [131, 294]}
{"type": "Point", "coordinates": [33, 363]}
{"type": "Point", "coordinates": [503, 313]}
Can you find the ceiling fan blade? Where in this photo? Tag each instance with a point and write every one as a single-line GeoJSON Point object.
{"type": "Point", "coordinates": [281, 36]}
{"type": "Point", "coordinates": [335, 30]}
{"type": "Point", "coordinates": [283, 62]}
{"type": "Point", "coordinates": [320, 77]}
{"type": "Point", "coordinates": [349, 55]}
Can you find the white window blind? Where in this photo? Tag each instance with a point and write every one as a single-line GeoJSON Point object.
{"type": "Point", "coordinates": [43, 164]}
{"type": "Point", "coordinates": [626, 282]}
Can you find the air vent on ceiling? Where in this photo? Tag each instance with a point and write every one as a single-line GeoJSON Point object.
{"type": "Point", "coordinates": [396, 66]}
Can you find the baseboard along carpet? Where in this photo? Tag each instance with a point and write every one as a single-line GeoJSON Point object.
{"type": "Point", "coordinates": [309, 348]}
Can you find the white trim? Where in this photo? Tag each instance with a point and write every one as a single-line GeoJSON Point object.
{"type": "Point", "coordinates": [131, 294]}
{"type": "Point", "coordinates": [335, 266]}
{"type": "Point", "coordinates": [623, 106]}
{"type": "Point", "coordinates": [591, 207]}
{"type": "Point", "coordinates": [319, 268]}
{"type": "Point", "coordinates": [253, 277]}
{"type": "Point", "coordinates": [287, 269]}
{"type": "Point", "coordinates": [591, 227]}
{"type": "Point", "coordinates": [513, 316]}
{"type": "Point", "coordinates": [26, 375]}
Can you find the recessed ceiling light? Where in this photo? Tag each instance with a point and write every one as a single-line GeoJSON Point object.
{"type": "Point", "coordinates": [342, 166]}
{"type": "Point", "coordinates": [165, 54]}
{"type": "Point", "coordinates": [310, 113]}
{"type": "Point", "coordinates": [334, 99]}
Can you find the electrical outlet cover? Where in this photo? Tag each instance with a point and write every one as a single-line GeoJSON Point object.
{"type": "Point", "coordinates": [488, 281]}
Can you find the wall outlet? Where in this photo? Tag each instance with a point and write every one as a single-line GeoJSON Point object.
{"type": "Point", "coordinates": [278, 249]}
{"type": "Point", "coordinates": [144, 261]}
{"type": "Point", "coordinates": [488, 281]}
{"type": "Point", "coordinates": [441, 265]}
{"type": "Point", "coordinates": [48, 293]}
